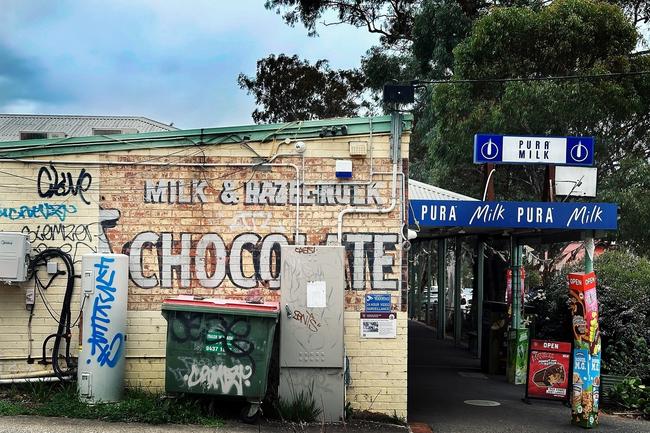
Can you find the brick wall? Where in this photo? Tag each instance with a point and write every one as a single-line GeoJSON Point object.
{"type": "Point", "coordinates": [212, 230]}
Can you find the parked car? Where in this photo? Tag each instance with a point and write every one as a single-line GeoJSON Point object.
{"type": "Point", "coordinates": [432, 295]}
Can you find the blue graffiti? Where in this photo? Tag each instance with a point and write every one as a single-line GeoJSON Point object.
{"type": "Point", "coordinates": [106, 354]}
{"type": "Point", "coordinates": [41, 210]}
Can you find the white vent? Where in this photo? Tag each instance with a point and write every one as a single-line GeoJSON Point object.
{"type": "Point", "coordinates": [358, 148]}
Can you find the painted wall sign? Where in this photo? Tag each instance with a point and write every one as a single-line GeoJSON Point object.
{"type": "Point", "coordinates": [378, 303]}
{"type": "Point", "coordinates": [512, 214]}
{"type": "Point", "coordinates": [506, 149]}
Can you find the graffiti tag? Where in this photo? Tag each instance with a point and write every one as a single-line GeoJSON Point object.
{"type": "Point", "coordinates": [41, 210]}
{"type": "Point", "coordinates": [107, 353]}
{"type": "Point", "coordinates": [51, 182]}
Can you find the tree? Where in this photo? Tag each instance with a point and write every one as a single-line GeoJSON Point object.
{"type": "Point", "coordinates": [569, 37]}
{"type": "Point", "coordinates": [391, 19]}
{"type": "Point", "coordinates": [288, 89]}
{"type": "Point", "coordinates": [470, 39]}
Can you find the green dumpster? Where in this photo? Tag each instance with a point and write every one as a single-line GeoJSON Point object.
{"type": "Point", "coordinates": [219, 347]}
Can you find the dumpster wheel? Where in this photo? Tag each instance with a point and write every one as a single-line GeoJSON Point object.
{"type": "Point", "coordinates": [250, 414]}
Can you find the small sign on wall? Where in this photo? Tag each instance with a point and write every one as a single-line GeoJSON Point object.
{"type": "Point", "coordinates": [316, 294]}
{"type": "Point", "coordinates": [378, 325]}
{"type": "Point", "coordinates": [377, 303]}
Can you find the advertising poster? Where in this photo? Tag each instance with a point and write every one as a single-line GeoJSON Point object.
{"type": "Point", "coordinates": [548, 370]}
{"type": "Point", "coordinates": [585, 390]}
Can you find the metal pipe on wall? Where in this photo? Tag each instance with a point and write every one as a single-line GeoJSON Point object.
{"type": "Point", "coordinates": [32, 380]}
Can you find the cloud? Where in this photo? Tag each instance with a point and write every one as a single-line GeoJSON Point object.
{"type": "Point", "coordinates": [22, 82]}
{"type": "Point", "coordinates": [168, 60]}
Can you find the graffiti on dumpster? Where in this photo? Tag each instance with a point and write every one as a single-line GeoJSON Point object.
{"type": "Point", "coordinates": [219, 377]}
{"type": "Point", "coordinates": [225, 334]}
{"type": "Point", "coordinates": [227, 339]}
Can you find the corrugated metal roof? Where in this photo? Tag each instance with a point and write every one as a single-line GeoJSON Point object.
{"type": "Point", "coordinates": [11, 125]}
{"type": "Point", "coordinates": [207, 136]}
{"type": "Point", "coordinates": [424, 191]}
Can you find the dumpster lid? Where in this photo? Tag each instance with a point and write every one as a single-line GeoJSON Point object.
{"type": "Point", "coordinates": [215, 305]}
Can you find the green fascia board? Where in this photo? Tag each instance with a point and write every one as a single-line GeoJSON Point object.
{"type": "Point", "coordinates": [194, 137]}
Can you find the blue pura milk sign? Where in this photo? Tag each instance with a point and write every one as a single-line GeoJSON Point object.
{"type": "Point", "coordinates": [507, 149]}
{"type": "Point", "coordinates": [512, 214]}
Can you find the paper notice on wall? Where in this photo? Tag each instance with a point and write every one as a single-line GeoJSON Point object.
{"type": "Point", "coordinates": [316, 294]}
{"type": "Point", "coordinates": [378, 325]}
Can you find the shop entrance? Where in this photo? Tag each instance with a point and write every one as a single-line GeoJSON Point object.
{"type": "Point", "coordinates": [466, 322]}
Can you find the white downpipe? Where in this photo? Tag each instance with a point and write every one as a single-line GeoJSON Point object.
{"type": "Point", "coordinates": [390, 208]}
{"type": "Point", "coordinates": [32, 380]}
{"type": "Point", "coordinates": [29, 374]}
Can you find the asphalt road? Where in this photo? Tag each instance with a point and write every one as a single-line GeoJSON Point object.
{"type": "Point", "coordinates": [441, 377]}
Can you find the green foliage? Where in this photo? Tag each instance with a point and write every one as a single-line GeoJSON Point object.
{"type": "Point", "coordinates": [623, 292]}
{"type": "Point", "coordinates": [56, 400]}
{"type": "Point", "coordinates": [287, 89]}
{"type": "Point", "coordinates": [569, 37]}
{"type": "Point", "coordinates": [632, 395]}
{"type": "Point", "coordinates": [438, 28]}
{"type": "Point", "coordinates": [392, 20]}
{"type": "Point", "coordinates": [10, 408]}
{"type": "Point", "coordinates": [301, 408]}
{"type": "Point", "coordinates": [624, 305]}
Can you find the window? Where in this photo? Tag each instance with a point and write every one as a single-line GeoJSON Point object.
{"type": "Point", "coordinates": [114, 131]}
{"type": "Point", "coordinates": [33, 135]}
{"type": "Point", "coordinates": [106, 131]}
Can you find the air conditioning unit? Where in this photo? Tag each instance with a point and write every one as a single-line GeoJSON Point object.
{"type": "Point", "coordinates": [14, 257]}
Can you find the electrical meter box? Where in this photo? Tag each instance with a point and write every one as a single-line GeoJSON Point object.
{"type": "Point", "coordinates": [14, 257]}
{"type": "Point", "coordinates": [311, 327]}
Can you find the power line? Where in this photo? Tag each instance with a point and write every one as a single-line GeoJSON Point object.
{"type": "Point", "coordinates": [525, 79]}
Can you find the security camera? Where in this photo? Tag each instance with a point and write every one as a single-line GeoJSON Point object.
{"type": "Point", "coordinates": [300, 146]}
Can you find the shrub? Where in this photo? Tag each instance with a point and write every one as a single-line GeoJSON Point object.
{"type": "Point", "coordinates": [624, 312]}
{"type": "Point", "coordinates": [632, 395]}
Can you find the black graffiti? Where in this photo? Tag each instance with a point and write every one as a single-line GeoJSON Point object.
{"type": "Point", "coordinates": [307, 319]}
{"type": "Point", "coordinates": [231, 333]}
{"type": "Point", "coordinates": [52, 182]}
{"type": "Point", "coordinates": [65, 232]}
{"type": "Point", "coordinates": [72, 237]}
{"type": "Point", "coordinates": [185, 327]}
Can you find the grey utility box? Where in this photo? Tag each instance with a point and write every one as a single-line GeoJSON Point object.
{"type": "Point", "coordinates": [311, 327]}
{"type": "Point", "coordinates": [14, 257]}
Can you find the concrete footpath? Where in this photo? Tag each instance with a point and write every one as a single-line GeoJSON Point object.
{"type": "Point", "coordinates": [38, 424]}
{"type": "Point", "coordinates": [442, 377]}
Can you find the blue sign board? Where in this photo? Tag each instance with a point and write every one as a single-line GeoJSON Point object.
{"type": "Point", "coordinates": [507, 149]}
{"type": "Point", "coordinates": [513, 214]}
{"type": "Point", "coordinates": [377, 303]}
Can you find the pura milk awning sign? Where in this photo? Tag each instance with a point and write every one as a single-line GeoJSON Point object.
{"type": "Point", "coordinates": [512, 214]}
{"type": "Point", "coordinates": [506, 149]}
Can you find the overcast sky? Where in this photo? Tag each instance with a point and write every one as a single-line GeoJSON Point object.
{"type": "Point", "coordinates": [170, 60]}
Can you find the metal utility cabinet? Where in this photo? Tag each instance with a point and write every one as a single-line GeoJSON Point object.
{"type": "Point", "coordinates": [311, 327]}
{"type": "Point", "coordinates": [105, 289]}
